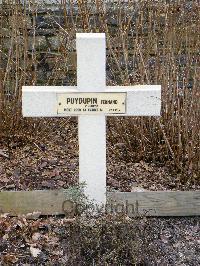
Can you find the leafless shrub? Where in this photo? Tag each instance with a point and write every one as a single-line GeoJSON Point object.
{"type": "Point", "coordinates": [109, 240]}
{"type": "Point", "coordinates": [148, 43]}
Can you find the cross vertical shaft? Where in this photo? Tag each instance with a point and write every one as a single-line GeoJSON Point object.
{"type": "Point", "coordinates": [91, 77]}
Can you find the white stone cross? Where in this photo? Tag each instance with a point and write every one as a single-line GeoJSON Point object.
{"type": "Point", "coordinates": [61, 101]}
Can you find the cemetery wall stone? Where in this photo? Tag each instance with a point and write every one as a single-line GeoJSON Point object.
{"type": "Point", "coordinates": [46, 31]}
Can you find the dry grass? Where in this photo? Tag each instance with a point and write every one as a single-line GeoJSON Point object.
{"type": "Point", "coordinates": [147, 43]}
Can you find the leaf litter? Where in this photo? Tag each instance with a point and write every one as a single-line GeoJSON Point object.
{"type": "Point", "coordinates": [39, 241]}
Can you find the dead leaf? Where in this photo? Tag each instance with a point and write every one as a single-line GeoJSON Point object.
{"type": "Point", "coordinates": [3, 154]}
{"type": "Point", "coordinates": [8, 259]}
{"type": "Point", "coordinates": [47, 184]}
{"type": "Point", "coordinates": [137, 189]}
{"type": "Point", "coordinates": [35, 252]}
{"type": "Point", "coordinates": [33, 215]}
{"type": "Point", "coordinates": [5, 180]}
{"type": "Point", "coordinates": [36, 236]}
{"type": "Point", "coordinates": [11, 186]}
{"type": "Point", "coordinates": [69, 220]}
{"type": "Point", "coordinates": [43, 165]}
{"type": "Point", "coordinates": [5, 236]}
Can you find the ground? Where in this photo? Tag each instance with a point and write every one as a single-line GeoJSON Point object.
{"type": "Point", "coordinates": [52, 162]}
{"type": "Point", "coordinates": [62, 241]}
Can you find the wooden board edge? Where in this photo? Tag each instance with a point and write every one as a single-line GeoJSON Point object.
{"type": "Point", "coordinates": [147, 203]}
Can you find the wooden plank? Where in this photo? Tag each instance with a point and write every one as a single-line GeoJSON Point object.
{"type": "Point", "coordinates": [149, 203]}
{"type": "Point", "coordinates": [159, 203]}
{"type": "Point", "coordinates": [41, 101]}
{"type": "Point", "coordinates": [91, 77]}
{"type": "Point", "coordinates": [46, 202]}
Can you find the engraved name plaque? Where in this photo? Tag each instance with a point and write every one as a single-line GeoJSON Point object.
{"type": "Point", "coordinates": [91, 103]}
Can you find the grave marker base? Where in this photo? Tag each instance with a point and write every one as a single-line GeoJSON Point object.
{"type": "Point", "coordinates": [148, 203]}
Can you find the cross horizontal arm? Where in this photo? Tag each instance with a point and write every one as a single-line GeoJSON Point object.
{"type": "Point", "coordinates": [40, 101]}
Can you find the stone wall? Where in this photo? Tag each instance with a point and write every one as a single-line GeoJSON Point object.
{"type": "Point", "coordinates": [40, 37]}
{"type": "Point", "coordinates": [44, 33]}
